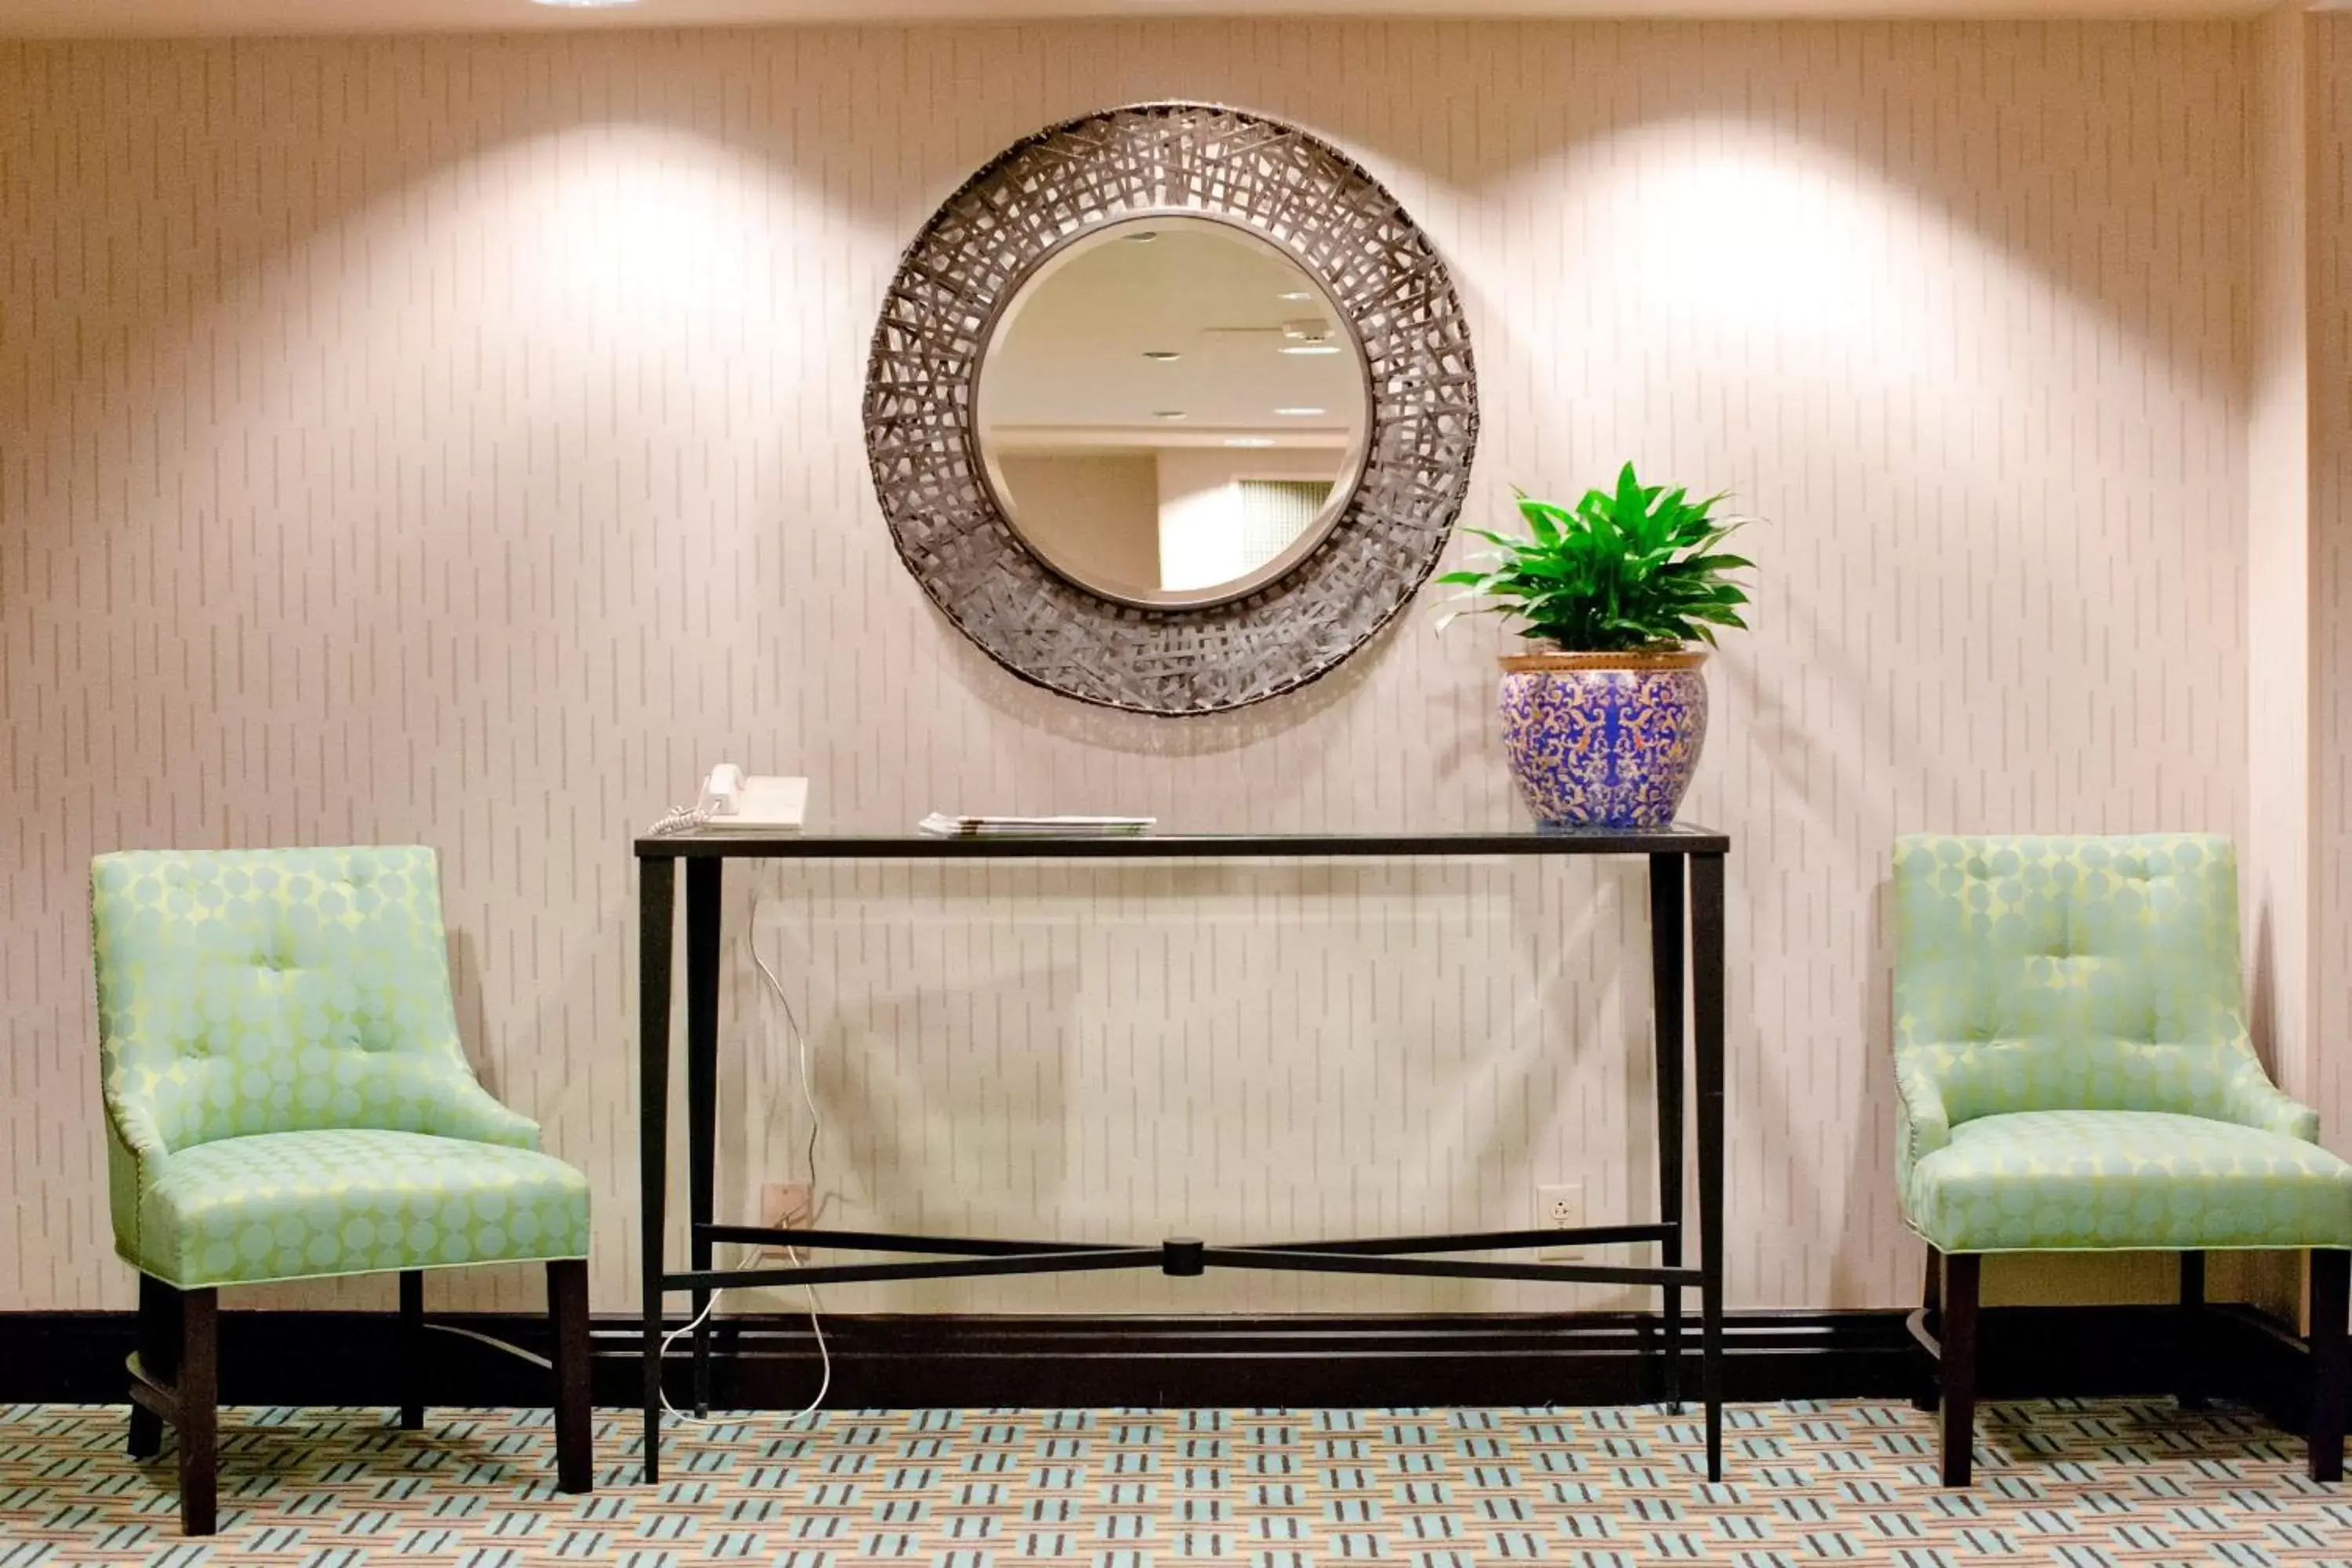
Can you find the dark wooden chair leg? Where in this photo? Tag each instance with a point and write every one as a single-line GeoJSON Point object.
{"type": "Point", "coordinates": [197, 1388]}
{"type": "Point", "coordinates": [1931, 1302]}
{"type": "Point", "coordinates": [159, 1358]}
{"type": "Point", "coordinates": [2188, 1371]}
{"type": "Point", "coordinates": [567, 1308]}
{"type": "Point", "coordinates": [1959, 1363]}
{"type": "Point", "coordinates": [2331, 1300]}
{"type": "Point", "coordinates": [412, 1349]}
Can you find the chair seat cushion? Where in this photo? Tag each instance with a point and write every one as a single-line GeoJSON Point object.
{"type": "Point", "coordinates": [293, 1206]}
{"type": "Point", "coordinates": [2119, 1180]}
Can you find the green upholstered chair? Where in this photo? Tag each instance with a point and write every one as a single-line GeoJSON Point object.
{"type": "Point", "coordinates": [2074, 1075]}
{"type": "Point", "coordinates": [286, 1098]}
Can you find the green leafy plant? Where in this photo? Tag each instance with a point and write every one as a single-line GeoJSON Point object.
{"type": "Point", "coordinates": [1632, 570]}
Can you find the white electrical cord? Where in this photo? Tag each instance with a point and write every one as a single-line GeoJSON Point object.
{"type": "Point", "coordinates": [800, 1038]}
{"type": "Point", "coordinates": [494, 1342]}
{"type": "Point", "coordinates": [808, 1096]}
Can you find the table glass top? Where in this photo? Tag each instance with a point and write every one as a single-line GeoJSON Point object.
{"type": "Point", "coordinates": [823, 839]}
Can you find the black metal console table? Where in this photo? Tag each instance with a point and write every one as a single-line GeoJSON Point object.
{"type": "Point", "coordinates": [1670, 852]}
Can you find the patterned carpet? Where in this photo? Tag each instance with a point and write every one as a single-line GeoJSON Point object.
{"type": "Point", "coordinates": [2075, 1483]}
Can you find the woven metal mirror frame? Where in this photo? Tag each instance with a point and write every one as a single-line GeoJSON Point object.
{"type": "Point", "coordinates": [1324, 211]}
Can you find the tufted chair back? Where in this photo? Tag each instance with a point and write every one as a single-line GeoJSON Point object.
{"type": "Point", "coordinates": [2081, 974]}
{"type": "Point", "coordinates": [277, 990]}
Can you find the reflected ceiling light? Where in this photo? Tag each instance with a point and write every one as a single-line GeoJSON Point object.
{"type": "Point", "coordinates": [1249, 441]}
{"type": "Point", "coordinates": [1296, 294]}
{"type": "Point", "coordinates": [1309, 337]}
{"type": "Point", "coordinates": [1300, 413]}
{"type": "Point", "coordinates": [1161, 357]}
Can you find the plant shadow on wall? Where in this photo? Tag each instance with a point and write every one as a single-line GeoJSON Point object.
{"type": "Point", "coordinates": [1811, 785]}
{"type": "Point", "coordinates": [1820, 793]}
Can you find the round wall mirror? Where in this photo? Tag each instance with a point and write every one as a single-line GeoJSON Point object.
{"type": "Point", "coordinates": [1172, 411]}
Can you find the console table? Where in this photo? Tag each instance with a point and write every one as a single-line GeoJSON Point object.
{"type": "Point", "coordinates": [1671, 852]}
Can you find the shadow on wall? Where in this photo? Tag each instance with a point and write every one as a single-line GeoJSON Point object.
{"type": "Point", "coordinates": [931, 985]}
{"type": "Point", "coordinates": [686, 138]}
{"type": "Point", "coordinates": [473, 1018]}
{"type": "Point", "coordinates": [348, 291]}
{"type": "Point", "coordinates": [1870, 1178]}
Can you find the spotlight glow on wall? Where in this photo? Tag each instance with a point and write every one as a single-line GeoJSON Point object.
{"type": "Point", "coordinates": [641, 232]}
{"type": "Point", "coordinates": [1821, 236]}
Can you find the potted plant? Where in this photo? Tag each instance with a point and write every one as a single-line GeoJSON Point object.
{"type": "Point", "coordinates": [1604, 720]}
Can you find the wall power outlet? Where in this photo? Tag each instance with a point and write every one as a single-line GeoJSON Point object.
{"type": "Point", "coordinates": [1559, 1206]}
{"type": "Point", "coordinates": [785, 1205]}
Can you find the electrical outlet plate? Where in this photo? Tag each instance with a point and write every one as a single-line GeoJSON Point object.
{"type": "Point", "coordinates": [1560, 1206]}
{"type": "Point", "coordinates": [785, 1205]}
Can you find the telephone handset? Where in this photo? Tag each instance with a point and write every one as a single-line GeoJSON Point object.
{"type": "Point", "coordinates": [722, 791]}
{"type": "Point", "coordinates": [734, 801]}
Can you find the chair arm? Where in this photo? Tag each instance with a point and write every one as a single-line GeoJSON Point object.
{"type": "Point", "coordinates": [1926, 1127]}
{"type": "Point", "coordinates": [2251, 1099]}
{"type": "Point", "coordinates": [459, 1107]}
{"type": "Point", "coordinates": [135, 1153]}
{"type": "Point", "coordinates": [142, 1138]}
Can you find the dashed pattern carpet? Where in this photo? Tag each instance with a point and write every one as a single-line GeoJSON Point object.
{"type": "Point", "coordinates": [2079, 1483]}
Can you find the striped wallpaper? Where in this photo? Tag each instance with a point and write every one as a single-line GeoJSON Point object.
{"type": "Point", "coordinates": [457, 441]}
{"type": "Point", "coordinates": [2330, 253]}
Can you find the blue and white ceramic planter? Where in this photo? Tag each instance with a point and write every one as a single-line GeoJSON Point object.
{"type": "Point", "coordinates": [1604, 740]}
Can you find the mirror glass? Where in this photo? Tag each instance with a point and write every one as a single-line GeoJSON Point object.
{"type": "Point", "coordinates": [1171, 413]}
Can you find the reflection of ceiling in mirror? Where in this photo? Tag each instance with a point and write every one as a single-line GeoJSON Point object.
{"type": "Point", "coordinates": [1070, 368]}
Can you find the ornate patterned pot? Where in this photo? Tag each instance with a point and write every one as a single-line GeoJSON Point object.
{"type": "Point", "coordinates": [1604, 740]}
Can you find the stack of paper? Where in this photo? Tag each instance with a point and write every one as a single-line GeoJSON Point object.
{"type": "Point", "coordinates": [945, 827]}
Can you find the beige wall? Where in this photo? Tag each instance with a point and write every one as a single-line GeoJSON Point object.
{"type": "Point", "coordinates": [2331, 513]}
{"type": "Point", "coordinates": [2279, 544]}
{"type": "Point", "coordinates": [458, 441]}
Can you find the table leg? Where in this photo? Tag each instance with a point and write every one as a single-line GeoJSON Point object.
{"type": "Point", "coordinates": [1706, 1021]}
{"type": "Point", "coordinates": [702, 878]}
{"type": "Point", "coordinates": [1667, 1013]}
{"type": "Point", "coordinates": [657, 883]}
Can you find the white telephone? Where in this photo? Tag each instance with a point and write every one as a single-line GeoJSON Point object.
{"type": "Point", "coordinates": [752, 805]}
{"type": "Point", "coordinates": [734, 803]}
